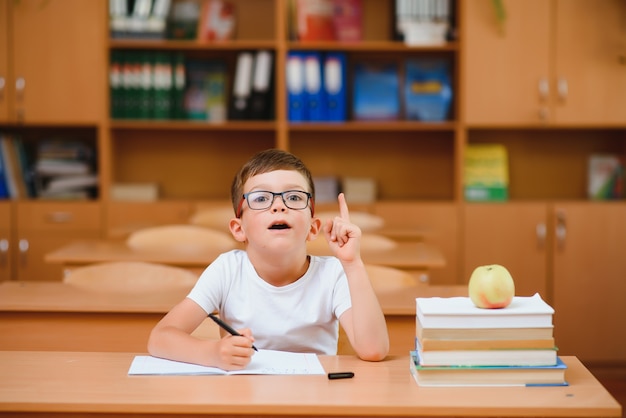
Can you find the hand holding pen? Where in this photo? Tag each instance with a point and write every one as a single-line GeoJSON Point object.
{"type": "Point", "coordinates": [227, 328]}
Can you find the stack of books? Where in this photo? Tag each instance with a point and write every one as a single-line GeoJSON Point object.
{"type": "Point", "coordinates": [458, 344]}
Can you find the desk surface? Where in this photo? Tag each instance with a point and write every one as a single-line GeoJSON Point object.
{"type": "Point", "coordinates": [406, 255]}
{"type": "Point", "coordinates": [66, 383]}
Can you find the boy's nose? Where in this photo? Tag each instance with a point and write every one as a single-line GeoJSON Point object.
{"type": "Point", "coordinates": [278, 204]}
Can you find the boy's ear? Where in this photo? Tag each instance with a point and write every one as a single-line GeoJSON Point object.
{"type": "Point", "coordinates": [316, 226]}
{"type": "Point", "coordinates": [237, 230]}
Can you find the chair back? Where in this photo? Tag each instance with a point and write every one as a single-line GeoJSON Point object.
{"type": "Point", "coordinates": [130, 277]}
{"type": "Point", "coordinates": [216, 218]}
{"type": "Point", "coordinates": [366, 221]}
{"type": "Point", "coordinates": [181, 239]}
{"type": "Point", "coordinates": [369, 242]}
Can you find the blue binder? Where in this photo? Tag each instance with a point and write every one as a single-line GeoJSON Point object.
{"type": "Point", "coordinates": [335, 86]}
{"type": "Point", "coordinates": [314, 87]}
{"type": "Point", "coordinates": [295, 86]}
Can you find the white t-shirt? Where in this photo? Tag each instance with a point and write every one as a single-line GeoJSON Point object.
{"type": "Point", "coordinates": [300, 317]}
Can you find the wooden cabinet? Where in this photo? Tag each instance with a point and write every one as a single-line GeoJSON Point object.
{"type": "Point", "coordinates": [5, 240]}
{"type": "Point", "coordinates": [590, 280]}
{"type": "Point", "coordinates": [125, 217]}
{"type": "Point", "coordinates": [42, 227]}
{"type": "Point", "coordinates": [557, 62]}
{"type": "Point", "coordinates": [52, 61]}
{"type": "Point", "coordinates": [513, 235]}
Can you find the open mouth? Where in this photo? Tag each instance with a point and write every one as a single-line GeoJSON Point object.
{"type": "Point", "coordinates": [279, 226]}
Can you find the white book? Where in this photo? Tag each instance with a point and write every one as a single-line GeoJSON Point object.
{"type": "Point", "coordinates": [460, 312]}
{"type": "Point", "coordinates": [263, 362]}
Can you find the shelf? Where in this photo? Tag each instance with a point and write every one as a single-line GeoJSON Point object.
{"type": "Point", "coordinates": [191, 45]}
{"type": "Point", "coordinates": [358, 126]}
{"type": "Point", "coordinates": [373, 46]}
{"type": "Point", "coordinates": [190, 125]}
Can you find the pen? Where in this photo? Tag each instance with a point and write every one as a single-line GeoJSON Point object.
{"type": "Point", "coordinates": [227, 327]}
{"type": "Point", "coordinates": [340, 375]}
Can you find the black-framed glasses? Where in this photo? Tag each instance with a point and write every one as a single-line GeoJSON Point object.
{"type": "Point", "coordinates": [263, 199]}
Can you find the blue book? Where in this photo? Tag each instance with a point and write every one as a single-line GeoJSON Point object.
{"type": "Point", "coordinates": [315, 108]}
{"type": "Point", "coordinates": [295, 86]}
{"type": "Point", "coordinates": [4, 191]}
{"type": "Point", "coordinates": [448, 376]}
{"type": "Point", "coordinates": [335, 86]}
{"type": "Point", "coordinates": [427, 89]}
{"type": "Point", "coordinates": [376, 92]}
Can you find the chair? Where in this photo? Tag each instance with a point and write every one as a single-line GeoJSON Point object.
{"type": "Point", "coordinates": [181, 239]}
{"type": "Point", "coordinates": [216, 218]}
{"type": "Point", "coordinates": [366, 221]}
{"type": "Point", "coordinates": [130, 277]}
{"type": "Point", "coordinates": [369, 242]}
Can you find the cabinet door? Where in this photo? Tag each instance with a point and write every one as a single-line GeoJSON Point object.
{"type": "Point", "coordinates": [590, 72]}
{"type": "Point", "coordinates": [45, 226]}
{"type": "Point", "coordinates": [58, 52]}
{"type": "Point", "coordinates": [590, 281]}
{"type": "Point", "coordinates": [512, 235]}
{"type": "Point", "coordinates": [4, 60]}
{"type": "Point", "coordinates": [504, 69]}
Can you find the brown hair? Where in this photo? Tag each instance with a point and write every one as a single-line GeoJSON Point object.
{"type": "Point", "coordinates": [264, 162]}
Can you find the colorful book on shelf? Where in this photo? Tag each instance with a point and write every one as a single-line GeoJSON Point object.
{"type": "Point", "coordinates": [348, 20]}
{"type": "Point", "coordinates": [375, 92]}
{"type": "Point", "coordinates": [217, 21]}
{"type": "Point", "coordinates": [460, 312]}
{"type": "Point", "coordinates": [605, 177]}
{"type": "Point", "coordinates": [486, 357]}
{"type": "Point", "coordinates": [486, 172]}
{"type": "Point", "coordinates": [450, 376]}
{"type": "Point", "coordinates": [315, 20]}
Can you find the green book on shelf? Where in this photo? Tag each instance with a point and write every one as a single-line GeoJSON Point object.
{"type": "Point", "coordinates": [486, 173]}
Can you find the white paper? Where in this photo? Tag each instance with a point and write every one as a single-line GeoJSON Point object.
{"type": "Point", "coordinates": [263, 362]}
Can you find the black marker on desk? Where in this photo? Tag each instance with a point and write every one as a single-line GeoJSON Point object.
{"type": "Point", "coordinates": [340, 375]}
{"type": "Point", "coordinates": [228, 328]}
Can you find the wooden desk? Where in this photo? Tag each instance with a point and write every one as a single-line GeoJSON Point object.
{"type": "Point", "coordinates": [416, 257]}
{"type": "Point", "coordinates": [59, 317]}
{"type": "Point", "coordinates": [77, 384]}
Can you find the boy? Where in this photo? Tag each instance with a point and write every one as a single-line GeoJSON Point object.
{"type": "Point", "coordinates": [273, 293]}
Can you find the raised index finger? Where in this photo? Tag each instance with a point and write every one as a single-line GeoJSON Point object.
{"type": "Point", "coordinates": [343, 207]}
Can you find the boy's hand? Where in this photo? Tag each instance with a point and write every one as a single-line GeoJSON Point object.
{"type": "Point", "coordinates": [235, 352]}
{"type": "Point", "coordinates": [343, 237]}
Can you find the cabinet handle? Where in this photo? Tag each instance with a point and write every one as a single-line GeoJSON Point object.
{"type": "Point", "coordinates": [23, 246]}
{"type": "Point", "coordinates": [20, 85]}
{"type": "Point", "coordinates": [562, 89]}
{"type": "Point", "coordinates": [2, 84]}
{"type": "Point", "coordinates": [560, 229]}
{"type": "Point", "coordinates": [544, 89]}
{"type": "Point", "coordinates": [541, 233]}
{"type": "Point", "coordinates": [60, 217]}
{"type": "Point", "coordinates": [4, 251]}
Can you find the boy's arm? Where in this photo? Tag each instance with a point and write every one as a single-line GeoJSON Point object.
{"type": "Point", "coordinates": [364, 323]}
{"type": "Point", "coordinates": [171, 339]}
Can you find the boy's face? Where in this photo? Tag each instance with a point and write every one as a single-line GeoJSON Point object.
{"type": "Point", "coordinates": [277, 226]}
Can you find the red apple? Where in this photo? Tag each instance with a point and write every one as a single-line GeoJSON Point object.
{"type": "Point", "coordinates": [491, 287]}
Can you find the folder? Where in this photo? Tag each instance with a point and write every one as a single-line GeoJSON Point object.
{"type": "Point", "coordinates": [242, 87]}
{"type": "Point", "coordinates": [335, 86]}
{"type": "Point", "coordinates": [261, 103]}
{"type": "Point", "coordinates": [295, 86]}
{"type": "Point", "coordinates": [315, 109]}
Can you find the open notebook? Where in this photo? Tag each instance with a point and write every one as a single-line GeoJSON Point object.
{"type": "Point", "coordinates": [263, 362]}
